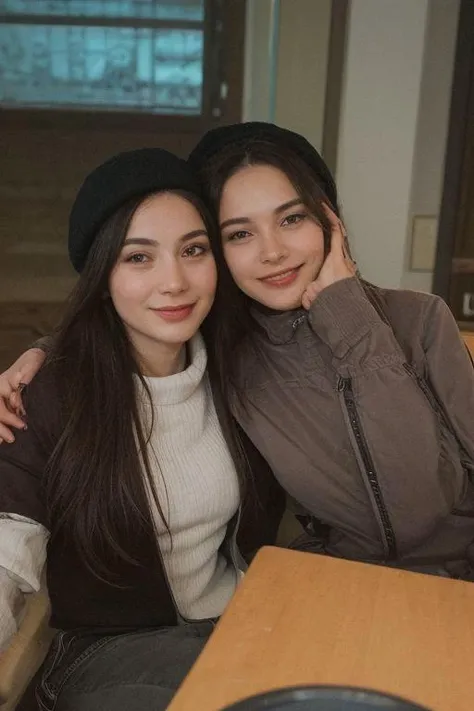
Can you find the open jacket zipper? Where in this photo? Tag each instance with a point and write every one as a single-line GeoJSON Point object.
{"type": "Point", "coordinates": [344, 387]}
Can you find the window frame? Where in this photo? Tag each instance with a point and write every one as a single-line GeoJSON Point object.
{"type": "Point", "coordinates": [224, 33]}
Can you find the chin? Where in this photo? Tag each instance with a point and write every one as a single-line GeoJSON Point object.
{"type": "Point", "coordinates": [280, 302]}
{"type": "Point", "coordinates": [180, 333]}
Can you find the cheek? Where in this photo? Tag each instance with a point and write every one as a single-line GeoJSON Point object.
{"type": "Point", "coordinates": [202, 278]}
{"type": "Point", "coordinates": [127, 289]}
{"type": "Point", "coordinates": [312, 243]}
{"type": "Point", "coordinates": [241, 261]}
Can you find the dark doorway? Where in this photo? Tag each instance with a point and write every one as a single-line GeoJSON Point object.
{"type": "Point", "coordinates": [454, 270]}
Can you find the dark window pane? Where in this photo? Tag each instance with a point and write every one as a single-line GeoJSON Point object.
{"type": "Point", "coordinates": [155, 70]}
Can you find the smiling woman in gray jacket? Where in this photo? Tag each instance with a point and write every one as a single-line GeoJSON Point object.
{"type": "Point", "coordinates": [361, 399]}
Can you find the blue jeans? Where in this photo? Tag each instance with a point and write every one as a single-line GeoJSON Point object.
{"type": "Point", "coordinates": [128, 672]}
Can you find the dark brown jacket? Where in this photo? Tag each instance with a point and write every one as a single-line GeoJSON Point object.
{"type": "Point", "coordinates": [141, 597]}
{"type": "Point", "coordinates": [370, 426]}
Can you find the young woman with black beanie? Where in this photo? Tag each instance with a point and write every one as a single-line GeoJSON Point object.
{"type": "Point", "coordinates": [131, 484]}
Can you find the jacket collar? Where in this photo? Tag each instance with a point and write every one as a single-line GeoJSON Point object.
{"type": "Point", "coordinates": [279, 326]}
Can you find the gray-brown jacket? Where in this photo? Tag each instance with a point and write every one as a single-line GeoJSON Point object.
{"type": "Point", "coordinates": [369, 428]}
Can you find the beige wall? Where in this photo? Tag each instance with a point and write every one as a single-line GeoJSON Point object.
{"type": "Point", "coordinates": [393, 131]}
{"type": "Point", "coordinates": [381, 96]}
{"type": "Point", "coordinates": [299, 59]}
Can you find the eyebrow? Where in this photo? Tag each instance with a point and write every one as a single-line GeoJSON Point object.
{"type": "Point", "coordinates": [277, 211]}
{"type": "Point", "coordinates": [146, 242]}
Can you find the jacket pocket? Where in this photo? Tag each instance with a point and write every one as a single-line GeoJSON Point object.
{"type": "Point", "coordinates": [443, 417]}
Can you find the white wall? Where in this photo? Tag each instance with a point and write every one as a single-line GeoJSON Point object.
{"type": "Point", "coordinates": [297, 64]}
{"type": "Point", "coordinates": [379, 113]}
{"type": "Point", "coordinates": [432, 129]}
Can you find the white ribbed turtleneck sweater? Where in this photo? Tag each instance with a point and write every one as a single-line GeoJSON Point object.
{"type": "Point", "coordinates": [197, 487]}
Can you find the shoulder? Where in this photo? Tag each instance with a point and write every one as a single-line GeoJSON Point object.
{"type": "Point", "coordinates": [417, 318]}
{"type": "Point", "coordinates": [411, 308]}
{"type": "Point", "coordinates": [43, 401]}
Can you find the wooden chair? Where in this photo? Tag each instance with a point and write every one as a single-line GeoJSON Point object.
{"type": "Point", "coordinates": [26, 652]}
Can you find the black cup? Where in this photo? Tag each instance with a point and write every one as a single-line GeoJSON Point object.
{"type": "Point", "coordinates": [324, 698]}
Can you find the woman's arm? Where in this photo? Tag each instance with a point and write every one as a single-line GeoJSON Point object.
{"type": "Point", "coordinates": [405, 454]}
{"type": "Point", "coordinates": [23, 515]}
{"type": "Point", "coordinates": [12, 381]}
{"type": "Point", "coordinates": [450, 372]}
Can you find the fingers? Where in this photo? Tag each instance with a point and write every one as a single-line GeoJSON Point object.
{"type": "Point", "coordinates": [311, 292]}
{"type": "Point", "coordinates": [22, 372]}
{"type": "Point", "coordinates": [15, 402]}
{"type": "Point", "coordinates": [338, 232]}
{"type": "Point", "coordinates": [24, 375]}
{"type": "Point", "coordinates": [6, 435]}
{"type": "Point", "coordinates": [305, 301]}
{"type": "Point", "coordinates": [331, 215]}
{"type": "Point", "coordinates": [9, 420]}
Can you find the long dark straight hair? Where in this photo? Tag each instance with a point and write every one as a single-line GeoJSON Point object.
{"type": "Point", "coordinates": [232, 320]}
{"type": "Point", "coordinates": [99, 477]}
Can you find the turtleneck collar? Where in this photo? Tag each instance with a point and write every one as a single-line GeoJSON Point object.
{"type": "Point", "coordinates": [280, 326]}
{"type": "Point", "coordinates": [173, 389]}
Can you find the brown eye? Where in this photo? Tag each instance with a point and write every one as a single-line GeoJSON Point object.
{"type": "Point", "coordinates": [294, 219]}
{"type": "Point", "coordinates": [195, 250]}
{"type": "Point", "coordinates": [137, 258]}
{"type": "Point", "coordinates": [236, 236]}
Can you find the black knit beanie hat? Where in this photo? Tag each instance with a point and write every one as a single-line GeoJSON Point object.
{"type": "Point", "coordinates": [244, 134]}
{"type": "Point", "coordinates": [113, 183]}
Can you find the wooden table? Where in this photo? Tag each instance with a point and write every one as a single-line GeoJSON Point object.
{"type": "Point", "coordinates": [299, 618]}
{"type": "Point", "coordinates": [468, 337]}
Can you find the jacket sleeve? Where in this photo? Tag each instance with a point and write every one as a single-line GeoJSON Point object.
{"type": "Point", "coordinates": [23, 515]}
{"type": "Point", "coordinates": [45, 344]}
{"type": "Point", "coordinates": [450, 372]}
{"type": "Point", "coordinates": [22, 557]}
{"type": "Point", "coordinates": [22, 463]}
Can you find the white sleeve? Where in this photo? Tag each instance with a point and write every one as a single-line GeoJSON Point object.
{"type": "Point", "coordinates": [22, 557]}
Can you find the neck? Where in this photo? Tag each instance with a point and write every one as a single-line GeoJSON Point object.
{"type": "Point", "coordinates": [163, 359]}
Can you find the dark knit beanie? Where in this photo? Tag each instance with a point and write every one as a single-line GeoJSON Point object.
{"type": "Point", "coordinates": [244, 134]}
{"type": "Point", "coordinates": [116, 181]}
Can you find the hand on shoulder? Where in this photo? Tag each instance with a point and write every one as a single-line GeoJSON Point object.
{"type": "Point", "coordinates": [12, 382]}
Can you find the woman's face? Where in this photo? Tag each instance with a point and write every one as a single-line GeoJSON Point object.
{"type": "Point", "coordinates": [274, 248]}
{"type": "Point", "coordinates": [164, 281]}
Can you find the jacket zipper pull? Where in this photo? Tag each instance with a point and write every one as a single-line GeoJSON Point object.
{"type": "Point", "coordinates": [297, 322]}
{"type": "Point", "coordinates": [342, 384]}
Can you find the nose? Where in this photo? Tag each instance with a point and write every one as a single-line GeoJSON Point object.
{"type": "Point", "coordinates": [273, 250]}
{"type": "Point", "coordinates": [172, 278]}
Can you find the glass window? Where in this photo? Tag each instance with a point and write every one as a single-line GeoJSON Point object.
{"type": "Point", "coordinates": [96, 64]}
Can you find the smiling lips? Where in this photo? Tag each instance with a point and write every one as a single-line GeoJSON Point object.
{"type": "Point", "coordinates": [175, 313]}
{"type": "Point", "coordinates": [282, 278]}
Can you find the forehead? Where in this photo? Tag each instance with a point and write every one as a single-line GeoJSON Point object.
{"type": "Point", "coordinates": [256, 188]}
{"type": "Point", "coordinates": [165, 213]}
